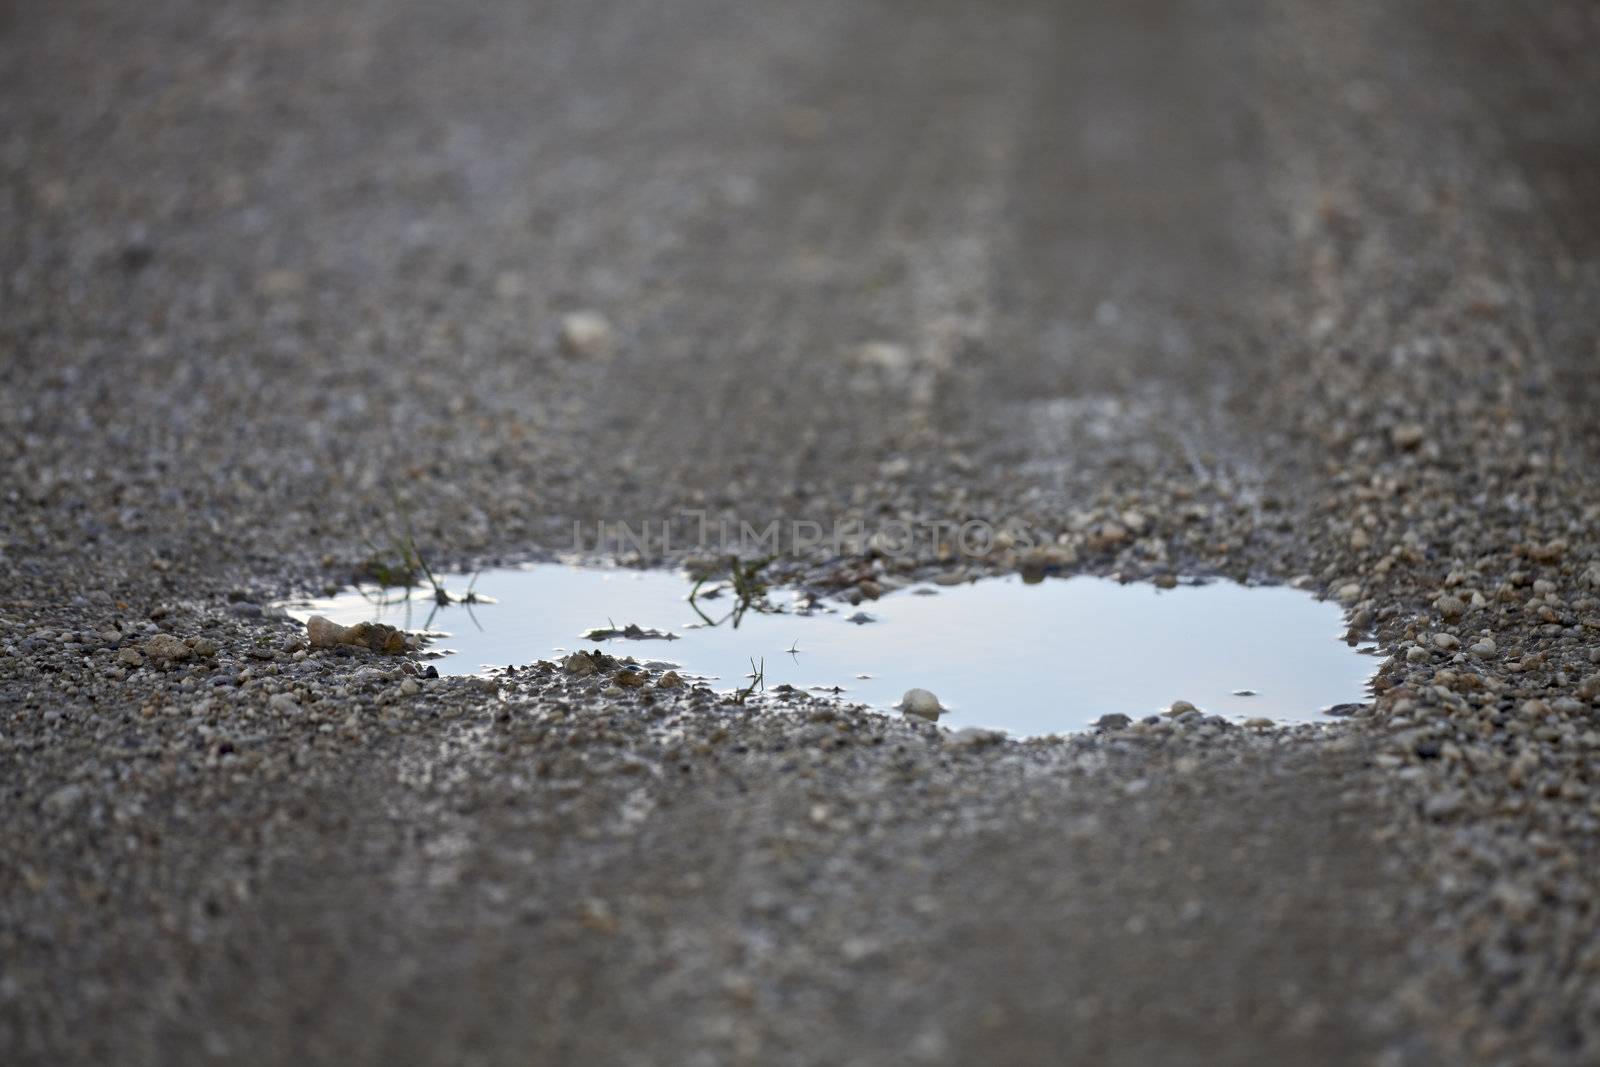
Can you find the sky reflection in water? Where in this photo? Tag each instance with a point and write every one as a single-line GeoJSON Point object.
{"type": "Point", "coordinates": [1029, 659]}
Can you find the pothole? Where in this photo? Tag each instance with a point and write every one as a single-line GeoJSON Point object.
{"type": "Point", "coordinates": [1030, 659]}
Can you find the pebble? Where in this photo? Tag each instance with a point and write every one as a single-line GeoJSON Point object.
{"type": "Point", "coordinates": [922, 703]}
{"type": "Point", "coordinates": [165, 648]}
{"type": "Point", "coordinates": [585, 335]}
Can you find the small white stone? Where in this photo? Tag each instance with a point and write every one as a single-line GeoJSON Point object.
{"type": "Point", "coordinates": [920, 702]}
{"type": "Point", "coordinates": [586, 335]}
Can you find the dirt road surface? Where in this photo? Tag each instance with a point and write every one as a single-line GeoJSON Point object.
{"type": "Point", "coordinates": [1289, 291]}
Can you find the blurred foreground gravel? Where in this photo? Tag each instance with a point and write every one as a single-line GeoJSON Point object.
{"type": "Point", "coordinates": [1292, 292]}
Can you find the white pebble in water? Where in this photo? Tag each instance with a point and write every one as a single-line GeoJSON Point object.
{"type": "Point", "coordinates": [922, 703]}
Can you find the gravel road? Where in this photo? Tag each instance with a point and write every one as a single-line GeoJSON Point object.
{"type": "Point", "coordinates": [1288, 292]}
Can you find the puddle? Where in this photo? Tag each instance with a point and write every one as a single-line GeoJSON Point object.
{"type": "Point", "coordinates": [1051, 657]}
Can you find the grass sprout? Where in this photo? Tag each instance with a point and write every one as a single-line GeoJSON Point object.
{"type": "Point", "coordinates": [749, 590]}
{"type": "Point", "coordinates": [758, 680]}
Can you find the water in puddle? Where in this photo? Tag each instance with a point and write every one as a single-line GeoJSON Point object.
{"type": "Point", "coordinates": [1045, 658]}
